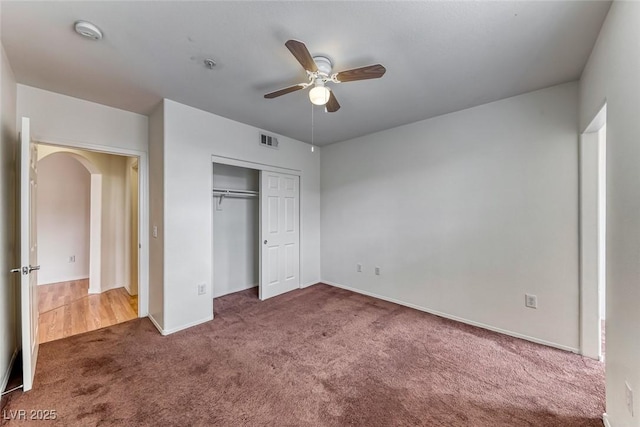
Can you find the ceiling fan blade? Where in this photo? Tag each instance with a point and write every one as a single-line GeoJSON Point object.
{"type": "Point", "coordinates": [299, 50]}
{"type": "Point", "coordinates": [332, 105]}
{"type": "Point", "coordinates": [284, 91]}
{"type": "Point", "coordinates": [363, 73]}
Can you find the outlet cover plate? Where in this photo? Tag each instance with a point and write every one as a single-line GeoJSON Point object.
{"type": "Point", "coordinates": [530, 301]}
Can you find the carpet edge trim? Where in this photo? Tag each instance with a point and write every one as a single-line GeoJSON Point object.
{"type": "Point", "coordinates": [605, 420]}
{"type": "Point", "coordinates": [456, 318]}
{"type": "Point", "coordinates": [7, 374]}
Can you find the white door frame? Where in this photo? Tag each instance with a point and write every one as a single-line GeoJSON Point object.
{"type": "Point", "coordinates": [264, 167]}
{"type": "Point", "coordinates": [591, 255]}
{"type": "Point", "coordinates": [143, 209]}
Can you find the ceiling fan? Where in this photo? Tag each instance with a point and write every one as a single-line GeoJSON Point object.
{"type": "Point", "coordinates": [318, 70]}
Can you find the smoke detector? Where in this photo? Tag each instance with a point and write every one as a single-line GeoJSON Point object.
{"type": "Point", "coordinates": [88, 30]}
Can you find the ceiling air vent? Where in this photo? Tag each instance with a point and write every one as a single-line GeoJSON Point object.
{"type": "Point", "coordinates": [268, 141]}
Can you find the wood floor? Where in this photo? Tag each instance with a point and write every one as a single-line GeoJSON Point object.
{"type": "Point", "coordinates": [67, 309]}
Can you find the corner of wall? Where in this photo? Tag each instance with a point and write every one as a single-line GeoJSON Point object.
{"type": "Point", "coordinates": [612, 74]}
{"type": "Point", "coordinates": [157, 305]}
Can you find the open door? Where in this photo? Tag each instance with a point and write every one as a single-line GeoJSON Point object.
{"type": "Point", "coordinates": [28, 157]}
{"type": "Point", "coordinates": [280, 233]}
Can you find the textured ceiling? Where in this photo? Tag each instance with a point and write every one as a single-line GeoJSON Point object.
{"type": "Point", "coordinates": [440, 56]}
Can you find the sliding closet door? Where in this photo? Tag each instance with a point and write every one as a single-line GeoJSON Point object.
{"type": "Point", "coordinates": [280, 233]}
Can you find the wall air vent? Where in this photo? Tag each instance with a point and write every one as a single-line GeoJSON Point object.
{"type": "Point", "coordinates": [268, 141]}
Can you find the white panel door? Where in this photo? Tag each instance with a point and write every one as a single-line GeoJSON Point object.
{"type": "Point", "coordinates": [28, 255]}
{"type": "Point", "coordinates": [280, 232]}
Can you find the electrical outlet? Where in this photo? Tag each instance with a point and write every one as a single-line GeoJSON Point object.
{"type": "Point", "coordinates": [72, 258]}
{"type": "Point", "coordinates": [202, 289]}
{"type": "Point", "coordinates": [359, 268]}
{"type": "Point", "coordinates": [628, 393]}
{"type": "Point", "coordinates": [530, 301]}
{"type": "Point", "coordinates": [377, 271]}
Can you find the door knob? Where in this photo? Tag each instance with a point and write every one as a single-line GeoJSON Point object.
{"type": "Point", "coordinates": [265, 242]}
{"type": "Point", "coordinates": [16, 270]}
{"type": "Point", "coordinates": [37, 267]}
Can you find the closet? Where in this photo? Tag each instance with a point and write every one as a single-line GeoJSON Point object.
{"type": "Point", "coordinates": [236, 228]}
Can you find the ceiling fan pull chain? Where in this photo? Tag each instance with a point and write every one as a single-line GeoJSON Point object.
{"type": "Point", "coordinates": [312, 148]}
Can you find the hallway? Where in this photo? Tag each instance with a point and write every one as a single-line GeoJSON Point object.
{"type": "Point", "coordinates": [67, 309]}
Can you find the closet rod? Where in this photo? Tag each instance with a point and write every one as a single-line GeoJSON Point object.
{"type": "Point", "coordinates": [230, 192]}
{"type": "Point", "coordinates": [223, 192]}
{"type": "Point", "coordinates": [239, 195]}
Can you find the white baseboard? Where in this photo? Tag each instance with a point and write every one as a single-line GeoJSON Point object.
{"type": "Point", "coordinates": [101, 291]}
{"type": "Point", "coordinates": [605, 420]}
{"type": "Point", "coordinates": [236, 290]}
{"type": "Point", "coordinates": [155, 323]}
{"type": "Point", "coordinates": [306, 285]}
{"type": "Point", "coordinates": [179, 328]}
{"type": "Point", "coordinates": [7, 374]}
{"type": "Point", "coordinates": [112, 287]}
{"type": "Point", "coordinates": [129, 292]}
{"type": "Point", "coordinates": [456, 318]}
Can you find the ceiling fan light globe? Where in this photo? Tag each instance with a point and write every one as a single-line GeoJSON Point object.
{"type": "Point", "coordinates": [319, 95]}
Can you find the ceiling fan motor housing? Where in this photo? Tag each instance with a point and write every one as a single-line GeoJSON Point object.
{"type": "Point", "coordinates": [324, 65]}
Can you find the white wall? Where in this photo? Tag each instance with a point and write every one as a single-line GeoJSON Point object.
{"type": "Point", "coordinates": [131, 226]}
{"type": "Point", "coordinates": [590, 332]}
{"type": "Point", "coordinates": [235, 231]}
{"type": "Point", "coordinates": [63, 199]}
{"type": "Point", "coordinates": [115, 241]}
{"type": "Point", "coordinates": [602, 221]}
{"type": "Point", "coordinates": [57, 118]}
{"type": "Point", "coordinates": [191, 137]}
{"type": "Point", "coordinates": [464, 213]}
{"type": "Point", "coordinates": [612, 74]}
{"type": "Point", "coordinates": [156, 216]}
{"type": "Point", "coordinates": [8, 281]}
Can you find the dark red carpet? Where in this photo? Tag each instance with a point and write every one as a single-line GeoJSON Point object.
{"type": "Point", "coordinates": [320, 356]}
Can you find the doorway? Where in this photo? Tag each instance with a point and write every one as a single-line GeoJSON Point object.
{"type": "Point", "coordinates": [236, 222]}
{"type": "Point", "coordinates": [86, 220]}
{"type": "Point", "coordinates": [593, 213]}
{"type": "Point", "coordinates": [256, 228]}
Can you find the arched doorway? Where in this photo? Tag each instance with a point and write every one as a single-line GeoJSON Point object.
{"type": "Point", "coordinates": [76, 242]}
